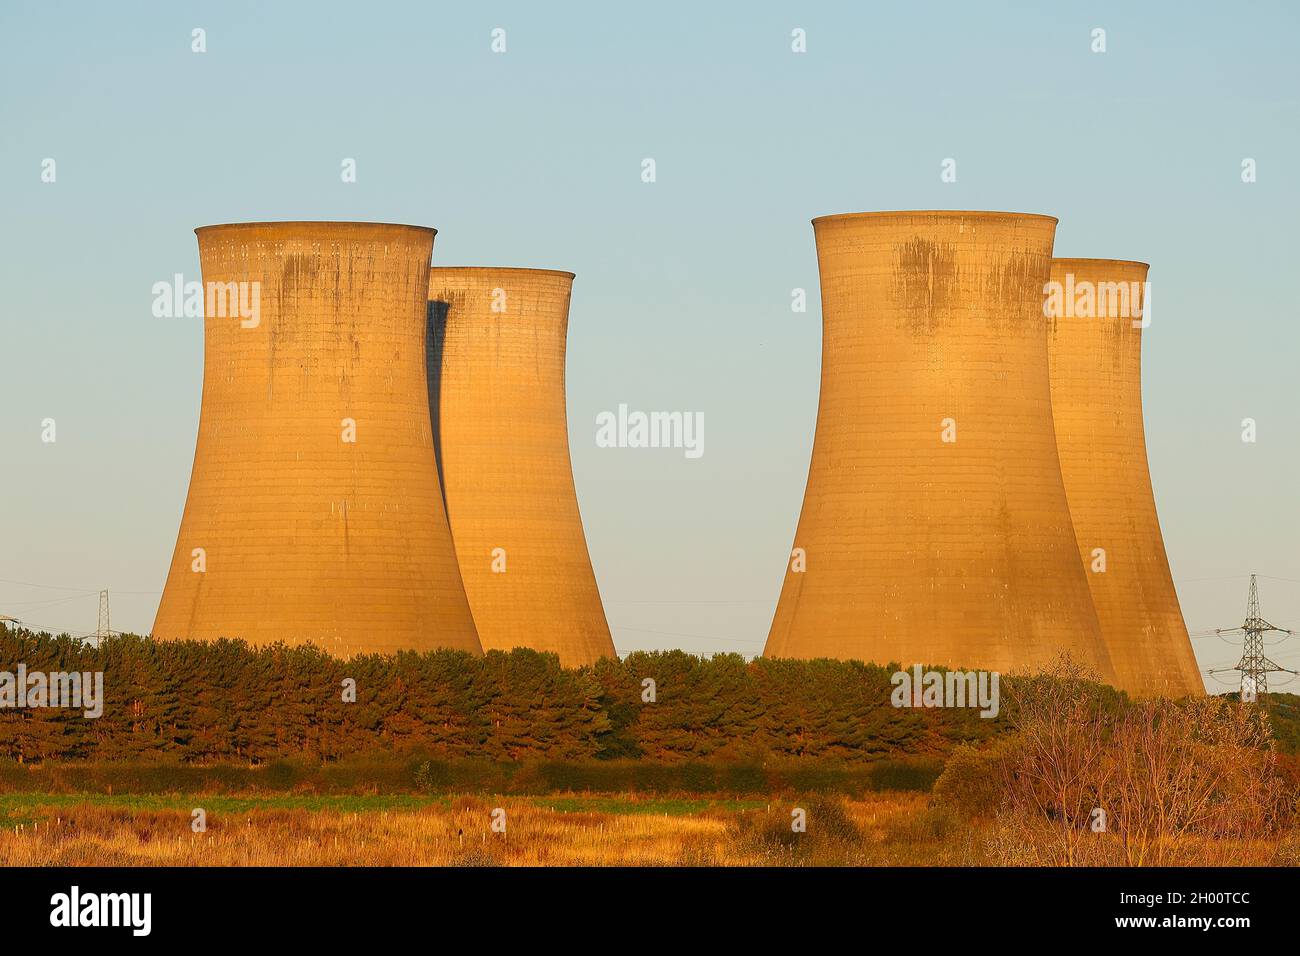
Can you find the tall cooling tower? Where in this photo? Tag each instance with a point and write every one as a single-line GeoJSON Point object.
{"type": "Point", "coordinates": [1095, 309]}
{"type": "Point", "coordinates": [314, 511]}
{"type": "Point", "coordinates": [935, 528]}
{"type": "Point", "coordinates": [496, 354]}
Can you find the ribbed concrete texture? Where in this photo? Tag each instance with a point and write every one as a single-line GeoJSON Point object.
{"type": "Point", "coordinates": [1095, 350]}
{"type": "Point", "coordinates": [921, 550]}
{"type": "Point", "coordinates": [308, 536]}
{"type": "Point", "coordinates": [496, 351]}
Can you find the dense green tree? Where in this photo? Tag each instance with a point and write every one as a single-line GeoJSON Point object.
{"type": "Point", "coordinates": [225, 701]}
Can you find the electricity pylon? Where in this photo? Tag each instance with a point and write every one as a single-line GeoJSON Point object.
{"type": "Point", "coordinates": [102, 631]}
{"type": "Point", "coordinates": [1254, 665]}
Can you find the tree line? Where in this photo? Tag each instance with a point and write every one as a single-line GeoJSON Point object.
{"type": "Point", "coordinates": [200, 702]}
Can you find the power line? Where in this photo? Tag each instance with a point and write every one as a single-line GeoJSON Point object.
{"type": "Point", "coordinates": [37, 628]}
{"type": "Point", "coordinates": [51, 601]}
{"type": "Point", "coordinates": [701, 637]}
{"type": "Point", "coordinates": [63, 587]}
{"type": "Point", "coordinates": [102, 628]}
{"type": "Point", "coordinates": [1236, 577]}
{"type": "Point", "coordinates": [688, 603]}
{"type": "Point", "coordinates": [48, 587]}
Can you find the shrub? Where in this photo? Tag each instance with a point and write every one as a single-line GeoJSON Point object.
{"type": "Point", "coordinates": [1083, 782]}
{"type": "Point", "coordinates": [971, 782]}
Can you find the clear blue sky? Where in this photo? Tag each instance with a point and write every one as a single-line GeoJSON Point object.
{"type": "Point", "coordinates": [682, 297]}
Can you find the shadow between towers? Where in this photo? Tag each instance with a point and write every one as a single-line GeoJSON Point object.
{"type": "Point", "coordinates": [435, 337]}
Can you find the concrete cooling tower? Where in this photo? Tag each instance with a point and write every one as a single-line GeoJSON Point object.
{"type": "Point", "coordinates": [314, 512]}
{"type": "Point", "coordinates": [496, 354]}
{"type": "Point", "coordinates": [1095, 311]}
{"type": "Point", "coordinates": [935, 528]}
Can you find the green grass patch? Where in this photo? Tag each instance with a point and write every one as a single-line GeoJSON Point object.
{"type": "Point", "coordinates": [423, 776]}
{"type": "Point", "coordinates": [630, 806]}
{"type": "Point", "coordinates": [19, 808]}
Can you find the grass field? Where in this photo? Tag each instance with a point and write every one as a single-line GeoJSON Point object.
{"type": "Point", "coordinates": [899, 829]}
{"type": "Point", "coordinates": [560, 830]}
{"type": "Point", "coordinates": [1196, 782]}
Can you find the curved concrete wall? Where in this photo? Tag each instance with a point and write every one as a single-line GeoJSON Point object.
{"type": "Point", "coordinates": [497, 348]}
{"type": "Point", "coordinates": [919, 550]}
{"type": "Point", "coordinates": [1096, 375]}
{"type": "Point", "coordinates": [308, 537]}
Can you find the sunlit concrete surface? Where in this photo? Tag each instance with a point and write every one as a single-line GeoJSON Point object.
{"type": "Point", "coordinates": [496, 354]}
{"type": "Point", "coordinates": [918, 549]}
{"type": "Point", "coordinates": [1096, 378]}
{"type": "Point", "coordinates": [306, 535]}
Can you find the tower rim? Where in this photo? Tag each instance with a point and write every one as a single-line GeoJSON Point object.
{"type": "Point", "coordinates": [522, 269]}
{"type": "Point", "coordinates": [1085, 260]}
{"type": "Point", "coordinates": [314, 223]}
{"type": "Point", "coordinates": [946, 213]}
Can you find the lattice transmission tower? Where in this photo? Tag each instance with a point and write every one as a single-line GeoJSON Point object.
{"type": "Point", "coordinates": [102, 630]}
{"type": "Point", "coordinates": [1254, 665]}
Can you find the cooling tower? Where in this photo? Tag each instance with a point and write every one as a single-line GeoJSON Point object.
{"type": "Point", "coordinates": [496, 356]}
{"type": "Point", "coordinates": [1095, 351]}
{"type": "Point", "coordinates": [314, 511]}
{"type": "Point", "coordinates": [935, 528]}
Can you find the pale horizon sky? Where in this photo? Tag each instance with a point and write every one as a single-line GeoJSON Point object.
{"type": "Point", "coordinates": [532, 158]}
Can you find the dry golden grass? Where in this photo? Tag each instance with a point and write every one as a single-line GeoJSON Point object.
{"type": "Point", "coordinates": [881, 829]}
